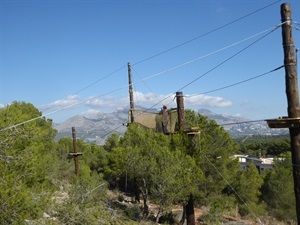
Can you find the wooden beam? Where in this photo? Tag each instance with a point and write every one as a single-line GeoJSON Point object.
{"type": "Point", "coordinates": [283, 122]}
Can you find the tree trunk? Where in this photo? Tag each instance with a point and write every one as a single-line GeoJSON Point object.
{"type": "Point", "coordinates": [144, 192]}
{"type": "Point", "coordinates": [190, 213]}
{"type": "Point", "coordinates": [146, 207]}
{"type": "Point", "coordinates": [183, 215]}
{"type": "Point", "coordinates": [158, 215]}
{"type": "Point", "coordinates": [136, 191]}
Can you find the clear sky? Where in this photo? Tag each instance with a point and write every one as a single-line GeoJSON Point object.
{"type": "Point", "coordinates": [70, 57]}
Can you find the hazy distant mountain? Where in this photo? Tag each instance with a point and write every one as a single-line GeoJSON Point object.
{"type": "Point", "coordinates": [238, 126]}
{"type": "Point", "coordinates": [99, 126]}
{"type": "Point", "coordinates": [95, 129]}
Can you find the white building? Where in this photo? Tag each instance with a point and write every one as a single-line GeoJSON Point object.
{"type": "Point", "coordinates": [260, 163]}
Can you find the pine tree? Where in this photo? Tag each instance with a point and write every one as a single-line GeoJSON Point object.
{"type": "Point", "coordinates": [278, 190]}
{"type": "Point", "coordinates": [25, 160]}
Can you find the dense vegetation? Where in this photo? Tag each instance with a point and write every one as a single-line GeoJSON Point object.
{"type": "Point", "coordinates": [264, 145]}
{"type": "Point", "coordinates": [38, 185]}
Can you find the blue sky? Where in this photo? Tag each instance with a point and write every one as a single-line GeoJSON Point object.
{"type": "Point", "coordinates": [70, 57]}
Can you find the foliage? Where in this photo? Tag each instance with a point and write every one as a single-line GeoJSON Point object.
{"type": "Point", "coordinates": [25, 156]}
{"type": "Point", "coordinates": [37, 178]}
{"type": "Point", "coordinates": [218, 206]}
{"type": "Point", "coordinates": [150, 164]}
{"type": "Point", "coordinates": [172, 167]}
{"type": "Point", "coordinates": [213, 151]}
{"type": "Point", "coordinates": [85, 202]}
{"type": "Point", "coordinates": [36, 175]}
{"type": "Point", "coordinates": [278, 190]}
{"type": "Point", "coordinates": [264, 145]}
{"type": "Point", "coordinates": [111, 142]}
{"type": "Point", "coordinates": [248, 189]}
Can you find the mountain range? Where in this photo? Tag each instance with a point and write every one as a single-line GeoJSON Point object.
{"type": "Point", "coordinates": [98, 127]}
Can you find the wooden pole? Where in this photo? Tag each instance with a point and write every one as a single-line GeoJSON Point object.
{"type": "Point", "coordinates": [180, 111]}
{"type": "Point", "coordinates": [292, 94]}
{"type": "Point", "coordinates": [75, 150]}
{"type": "Point", "coordinates": [189, 208]}
{"type": "Point", "coordinates": [130, 94]}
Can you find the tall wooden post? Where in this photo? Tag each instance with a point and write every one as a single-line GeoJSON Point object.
{"type": "Point", "coordinates": [180, 111]}
{"type": "Point", "coordinates": [75, 150]}
{"type": "Point", "coordinates": [130, 94]}
{"type": "Point", "coordinates": [292, 94]}
{"type": "Point", "coordinates": [189, 208]}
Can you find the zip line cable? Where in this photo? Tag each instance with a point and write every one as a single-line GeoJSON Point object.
{"type": "Point", "coordinates": [207, 33]}
{"type": "Point", "coordinates": [231, 57]}
{"type": "Point", "coordinates": [234, 190]}
{"type": "Point", "coordinates": [176, 67]}
{"type": "Point", "coordinates": [270, 31]}
{"type": "Point", "coordinates": [223, 62]}
{"type": "Point", "coordinates": [225, 124]}
{"type": "Point", "coordinates": [237, 123]}
{"type": "Point", "coordinates": [135, 93]}
{"type": "Point", "coordinates": [102, 78]}
{"type": "Point", "coordinates": [71, 106]}
{"type": "Point", "coordinates": [237, 83]}
{"type": "Point", "coordinates": [218, 90]}
{"type": "Point", "coordinates": [216, 29]}
{"type": "Point", "coordinates": [144, 80]}
{"type": "Point", "coordinates": [297, 27]}
{"type": "Point", "coordinates": [170, 69]}
{"type": "Point", "coordinates": [227, 182]}
{"type": "Point", "coordinates": [149, 77]}
{"type": "Point", "coordinates": [224, 178]}
{"type": "Point", "coordinates": [145, 83]}
{"type": "Point", "coordinates": [296, 23]}
{"type": "Point", "coordinates": [209, 54]}
{"type": "Point", "coordinates": [170, 49]}
{"type": "Point", "coordinates": [151, 107]}
{"type": "Point", "coordinates": [217, 146]}
{"type": "Point", "coordinates": [58, 110]}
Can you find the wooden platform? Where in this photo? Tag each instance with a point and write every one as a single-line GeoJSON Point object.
{"type": "Point", "coordinates": [284, 122]}
{"type": "Point", "coordinates": [192, 131]}
{"type": "Point", "coordinates": [74, 154]}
